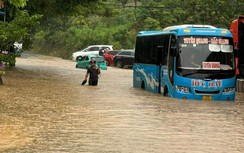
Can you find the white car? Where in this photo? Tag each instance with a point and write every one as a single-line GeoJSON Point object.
{"type": "Point", "coordinates": [94, 49]}
{"type": "Point", "coordinates": [18, 45]}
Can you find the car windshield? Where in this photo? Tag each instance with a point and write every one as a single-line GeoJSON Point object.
{"type": "Point", "coordinates": [205, 55]}
{"type": "Point", "coordinates": [127, 53]}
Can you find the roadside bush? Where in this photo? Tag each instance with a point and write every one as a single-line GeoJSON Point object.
{"type": "Point", "coordinates": [9, 59]}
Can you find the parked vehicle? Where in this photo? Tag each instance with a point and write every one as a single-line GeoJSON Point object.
{"type": "Point", "coordinates": [83, 62]}
{"type": "Point", "coordinates": [94, 49]}
{"type": "Point", "coordinates": [124, 58]}
{"type": "Point", "coordinates": [18, 49]}
{"type": "Point", "coordinates": [109, 56]}
{"type": "Point", "coordinates": [162, 62]}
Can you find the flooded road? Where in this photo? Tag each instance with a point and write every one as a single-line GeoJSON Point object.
{"type": "Point", "coordinates": [43, 108]}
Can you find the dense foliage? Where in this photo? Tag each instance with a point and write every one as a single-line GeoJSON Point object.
{"type": "Point", "coordinates": [18, 26]}
{"type": "Point", "coordinates": [71, 25]}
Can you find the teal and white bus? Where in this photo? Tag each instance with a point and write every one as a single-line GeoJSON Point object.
{"type": "Point", "coordinates": [186, 62]}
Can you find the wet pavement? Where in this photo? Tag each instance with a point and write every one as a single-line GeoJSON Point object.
{"type": "Point", "coordinates": [43, 108]}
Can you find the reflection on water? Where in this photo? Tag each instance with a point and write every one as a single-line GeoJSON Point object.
{"type": "Point", "coordinates": [43, 108]}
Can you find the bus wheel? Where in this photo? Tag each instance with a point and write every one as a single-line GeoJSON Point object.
{"type": "Point", "coordinates": [166, 92]}
{"type": "Point", "coordinates": [142, 85]}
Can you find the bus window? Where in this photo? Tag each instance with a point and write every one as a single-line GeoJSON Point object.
{"type": "Point", "coordinates": [165, 50]}
{"type": "Point", "coordinates": [159, 55]}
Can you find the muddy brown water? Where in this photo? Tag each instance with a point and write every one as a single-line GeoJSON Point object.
{"type": "Point", "coordinates": [43, 108]}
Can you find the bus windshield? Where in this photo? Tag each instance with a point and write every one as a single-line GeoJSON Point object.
{"type": "Point", "coordinates": [205, 57]}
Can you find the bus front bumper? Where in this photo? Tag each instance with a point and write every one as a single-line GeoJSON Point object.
{"type": "Point", "coordinates": [220, 97]}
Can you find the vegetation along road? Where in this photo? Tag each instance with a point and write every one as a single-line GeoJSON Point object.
{"type": "Point", "coordinates": [43, 108]}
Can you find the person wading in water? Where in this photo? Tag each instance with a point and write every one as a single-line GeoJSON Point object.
{"type": "Point", "coordinates": [93, 71]}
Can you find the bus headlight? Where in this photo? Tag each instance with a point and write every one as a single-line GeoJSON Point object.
{"type": "Point", "coordinates": [228, 90]}
{"type": "Point", "coordinates": [182, 89]}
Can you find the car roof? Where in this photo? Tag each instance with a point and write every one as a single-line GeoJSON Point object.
{"type": "Point", "coordinates": [128, 50]}
{"type": "Point", "coordinates": [123, 51]}
{"type": "Point", "coordinates": [109, 46]}
{"type": "Point", "coordinates": [100, 46]}
{"type": "Point", "coordinates": [114, 50]}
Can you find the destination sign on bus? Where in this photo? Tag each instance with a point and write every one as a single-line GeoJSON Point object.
{"type": "Point", "coordinates": [200, 40]}
{"type": "Point", "coordinates": [211, 65]}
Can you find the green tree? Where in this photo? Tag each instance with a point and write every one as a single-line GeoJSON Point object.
{"type": "Point", "coordinates": [17, 3]}
{"type": "Point", "coordinates": [20, 27]}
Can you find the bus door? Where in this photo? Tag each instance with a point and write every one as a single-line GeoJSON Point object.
{"type": "Point", "coordinates": [166, 71]}
{"type": "Point", "coordinates": [162, 61]}
{"type": "Point", "coordinates": [172, 54]}
{"type": "Point", "coordinates": [159, 64]}
{"type": "Point", "coordinates": [163, 71]}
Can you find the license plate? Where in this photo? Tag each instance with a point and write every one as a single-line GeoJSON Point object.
{"type": "Point", "coordinates": [207, 98]}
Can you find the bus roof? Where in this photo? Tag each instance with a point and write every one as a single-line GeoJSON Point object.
{"type": "Point", "coordinates": [201, 30]}
{"type": "Point", "coordinates": [170, 28]}
{"type": "Point", "coordinates": [150, 32]}
{"type": "Point", "coordinates": [188, 30]}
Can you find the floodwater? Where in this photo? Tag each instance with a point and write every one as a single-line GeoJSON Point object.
{"type": "Point", "coordinates": [44, 109]}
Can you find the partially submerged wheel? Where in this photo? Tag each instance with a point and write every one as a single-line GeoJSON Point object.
{"type": "Point", "coordinates": [143, 85]}
{"type": "Point", "coordinates": [119, 64]}
{"type": "Point", "coordinates": [166, 91]}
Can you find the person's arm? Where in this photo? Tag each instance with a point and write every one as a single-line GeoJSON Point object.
{"type": "Point", "coordinates": [98, 70]}
{"type": "Point", "coordinates": [87, 73]}
{"type": "Point", "coordinates": [86, 76]}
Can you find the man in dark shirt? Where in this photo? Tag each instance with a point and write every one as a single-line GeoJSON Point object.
{"type": "Point", "coordinates": [93, 71]}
